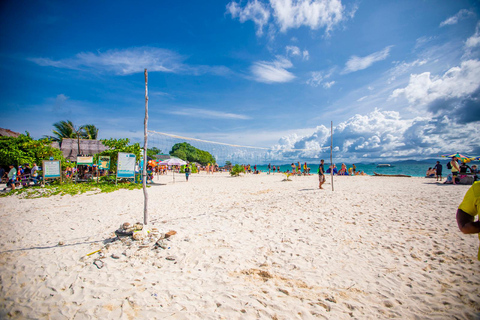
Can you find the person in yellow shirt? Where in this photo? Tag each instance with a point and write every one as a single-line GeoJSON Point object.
{"type": "Point", "coordinates": [468, 209]}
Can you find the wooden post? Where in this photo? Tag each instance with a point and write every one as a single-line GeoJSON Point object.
{"type": "Point", "coordinates": [331, 152]}
{"type": "Point", "coordinates": [145, 161]}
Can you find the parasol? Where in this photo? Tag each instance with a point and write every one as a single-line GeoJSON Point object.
{"type": "Point", "coordinates": [173, 162]}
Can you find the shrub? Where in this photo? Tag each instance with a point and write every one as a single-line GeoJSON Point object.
{"type": "Point", "coordinates": [236, 170]}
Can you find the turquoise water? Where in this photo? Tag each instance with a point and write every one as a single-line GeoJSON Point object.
{"type": "Point", "coordinates": [411, 168]}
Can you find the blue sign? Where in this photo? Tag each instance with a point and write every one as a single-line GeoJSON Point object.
{"type": "Point", "coordinates": [126, 165]}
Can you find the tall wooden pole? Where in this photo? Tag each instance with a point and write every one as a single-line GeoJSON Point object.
{"type": "Point", "coordinates": [331, 152]}
{"type": "Point", "coordinates": [145, 160]}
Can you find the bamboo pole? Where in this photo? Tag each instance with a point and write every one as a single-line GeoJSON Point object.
{"type": "Point", "coordinates": [144, 182]}
{"type": "Point", "coordinates": [331, 152]}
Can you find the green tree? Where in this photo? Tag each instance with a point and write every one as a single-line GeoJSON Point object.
{"type": "Point", "coordinates": [187, 152]}
{"type": "Point", "coordinates": [89, 131]}
{"type": "Point", "coordinates": [119, 145]}
{"type": "Point", "coordinates": [153, 151]}
{"type": "Point", "coordinates": [24, 149]}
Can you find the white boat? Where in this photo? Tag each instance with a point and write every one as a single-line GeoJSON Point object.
{"type": "Point", "coordinates": [384, 165]}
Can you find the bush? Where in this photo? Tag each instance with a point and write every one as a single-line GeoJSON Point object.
{"type": "Point", "coordinates": [236, 170]}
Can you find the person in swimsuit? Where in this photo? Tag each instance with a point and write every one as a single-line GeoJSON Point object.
{"type": "Point", "coordinates": [455, 169]}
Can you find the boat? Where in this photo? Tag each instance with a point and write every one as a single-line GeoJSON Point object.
{"type": "Point", "coordinates": [391, 175]}
{"type": "Point", "coordinates": [384, 165]}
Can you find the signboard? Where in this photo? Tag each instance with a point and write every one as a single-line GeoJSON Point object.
{"type": "Point", "coordinates": [104, 162]}
{"type": "Point", "coordinates": [51, 169]}
{"type": "Point", "coordinates": [126, 165]}
{"type": "Point", "coordinates": [85, 161]}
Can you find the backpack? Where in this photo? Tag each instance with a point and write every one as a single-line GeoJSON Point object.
{"type": "Point", "coordinates": [449, 165]}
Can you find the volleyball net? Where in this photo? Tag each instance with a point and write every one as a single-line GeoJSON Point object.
{"type": "Point", "coordinates": [234, 153]}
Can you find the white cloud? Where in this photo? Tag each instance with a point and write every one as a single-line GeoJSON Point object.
{"type": "Point", "coordinates": [129, 61]}
{"type": "Point", "coordinates": [254, 10]}
{"type": "Point", "coordinates": [306, 55]}
{"type": "Point", "coordinates": [359, 63]}
{"type": "Point", "coordinates": [462, 14]}
{"type": "Point", "coordinates": [403, 67]}
{"type": "Point", "coordinates": [313, 14]}
{"type": "Point", "coordinates": [457, 82]}
{"type": "Point", "coordinates": [292, 51]}
{"type": "Point", "coordinates": [270, 72]}
{"type": "Point", "coordinates": [474, 41]}
{"type": "Point", "coordinates": [328, 85]}
{"type": "Point", "coordinates": [317, 78]}
{"type": "Point", "coordinates": [208, 114]}
{"type": "Point", "coordinates": [288, 14]}
{"type": "Point", "coordinates": [384, 135]}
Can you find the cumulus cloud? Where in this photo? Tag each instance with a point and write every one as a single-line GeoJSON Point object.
{"type": "Point", "coordinates": [271, 72]}
{"type": "Point", "coordinates": [474, 41]}
{"type": "Point", "coordinates": [385, 135]}
{"type": "Point", "coordinates": [129, 61]}
{"type": "Point", "coordinates": [462, 14]}
{"type": "Point", "coordinates": [457, 82]}
{"type": "Point", "coordinates": [314, 14]}
{"type": "Point", "coordinates": [256, 11]}
{"type": "Point", "coordinates": [359, 63]}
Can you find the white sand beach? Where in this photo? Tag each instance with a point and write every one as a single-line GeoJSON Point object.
{"type": "Point", "coordinates": [251, 247]}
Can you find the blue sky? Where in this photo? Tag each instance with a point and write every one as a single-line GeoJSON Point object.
{"type": "Point", "coordinates": [399, 79]}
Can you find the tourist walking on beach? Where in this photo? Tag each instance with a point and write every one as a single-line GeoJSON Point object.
{"type": "Point", "coordinates": [468, 209]}
{"type": "Point", "coordinates": [187, 171]}
{"type": "Point", "coordinates": [321, 174]}
{"type": "Point", "coordinates": [455, 169]}
{"type": "Point", "coordinates": [438, 171]}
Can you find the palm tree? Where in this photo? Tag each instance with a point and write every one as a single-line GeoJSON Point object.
{"type": "Point", "coordinates": [66, 129]}
{"type": "Point", "coordinates": [63, 129]}
{"type": "Point", "coordinates": [90, 131]}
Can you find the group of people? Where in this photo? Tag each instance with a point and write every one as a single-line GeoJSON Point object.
{"type": "Point", "coordinates": [23, 175]}
{"type": "Point", "coordinates": [458, 171]}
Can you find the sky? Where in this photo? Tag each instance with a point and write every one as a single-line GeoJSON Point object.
{"type": "Point", "coordinates": [398, 79]}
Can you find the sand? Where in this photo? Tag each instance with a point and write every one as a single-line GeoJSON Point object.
{"type": "Point", "coordinates": [251, 247]}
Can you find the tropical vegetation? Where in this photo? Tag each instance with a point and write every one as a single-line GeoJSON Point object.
{"type": "Point", "coordinates": [24, 149]}
{"type": "Point", "coordinates": [187, 152]}
{"type": "Point", "coordinates": [119, 145]}
{"type": "Point", "coordinates": [67, 130]}
{"type": "Point", "coordinates": [236, 170]}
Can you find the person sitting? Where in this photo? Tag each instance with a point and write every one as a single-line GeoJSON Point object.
{"type": "Point", "coordinates": [431, 173]}
{"type": "Point", "coordinates": [475, 172]}
{"type": "Point", "coordinates": [464, 167]}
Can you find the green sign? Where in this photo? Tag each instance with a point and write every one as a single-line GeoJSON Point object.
{"type": "Point", "coordinates": [85, 161]}
{"type": "Point", "coordinates": [104, 162]}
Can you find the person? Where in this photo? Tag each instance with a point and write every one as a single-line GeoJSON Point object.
{"type": "Point", "coordinates": [12, 177]}
{"type": "Point", "coordinates": [278, 168]}
{"type": "Point", "coordinates": [305, 171]}
{"type": "Point", "coordinates": [321, 174]}
{"type": "Point", "coordinates": [464, 167]}
{"type": "Point", "coordinates": [293, 167]}
{"type": "Point", "coordinates": [274, 168]}
{"type": "Point", "coordinates": [455, 169]}
{"type": "Point", "coordinates": [438, 171]}
{"type": "Point", "coordinates": [354, 169]}
{"type": "Point", "coordinates": [269, 168]}
{"type": "Point", "coordinates": [475, 172]}
{"type": "Point", "coordinates": [187, 171]}
{"type": "Point", "coordinates": [468, 209]}
{"type": "Point", "coordinates": [2, 173]}
{"type": "Point", "coordinates": [430, 173]}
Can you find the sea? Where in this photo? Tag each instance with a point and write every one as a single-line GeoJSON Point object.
{"type": "Point", "coordinates": [408, 167]}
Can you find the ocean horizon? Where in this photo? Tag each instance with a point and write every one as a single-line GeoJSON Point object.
{"type": "Point", "coordinates": [412, 168]}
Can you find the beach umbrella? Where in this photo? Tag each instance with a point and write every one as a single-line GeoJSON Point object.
{"type": "Point", "coordinates": [460, 156]}
{"type": "Point", "coordinates": [173, 162]}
